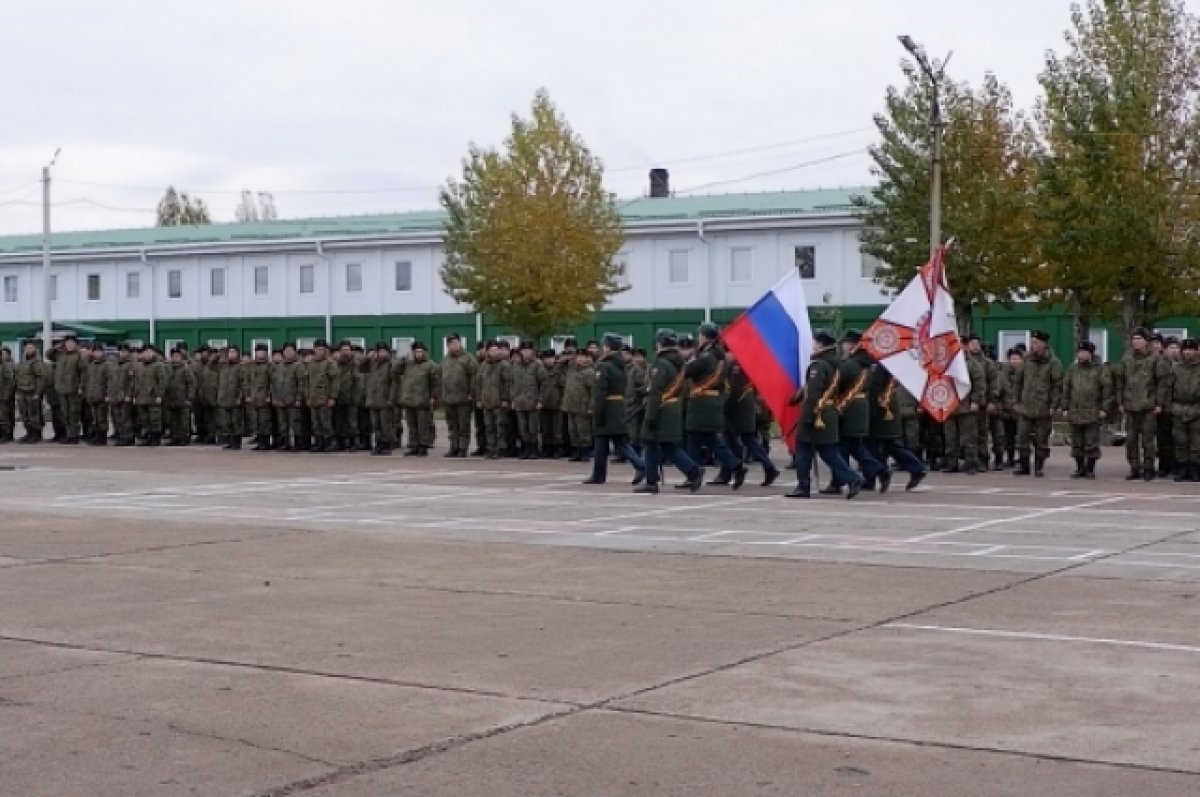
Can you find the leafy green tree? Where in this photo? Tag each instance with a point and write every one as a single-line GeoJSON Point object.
{"type": "Point", "coordinates": [531, 232]}
{"type": "Point", "coordinates": [1118, 184]}
{"type": "Point", "coordinates": [987, 183]}
{"type": "Point", "coordinates": [179, 208]}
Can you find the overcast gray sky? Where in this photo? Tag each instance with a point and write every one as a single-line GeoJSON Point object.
{"type": "Point", "coordinates": [365, 106]}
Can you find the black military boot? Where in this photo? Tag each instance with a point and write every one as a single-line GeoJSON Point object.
{"type": "Point", "coordinates": [576, 455]}
{"type": "Point", "coordinates": [260, 443]}
{"type": "Point", "coordinates": [1182, 473]}
{"type": "Point", "coordinates": [831, 489]}
{"type": "Point", "coordinates": [721, 480]}
{"type": "Point", "coordinates": [411, 451]}
{"type": "Point", "coordinates": [155, 440]}
{"type": "Point", "coordinates": [145, 441]}
{"type": "Point", "coordinates": [998, 462]}
{"type": "Point", "coordinates": [1038, 465]}
{"type": "Point", "coordinates": [1089, 471]}
{"type": "Point", "coordinates": [1080, 468]}
{"type": "Point", "coordinates": [952, 467]}
{"type": "Point", "coordinates": [972, 469]}
{"type": "Point", "coordinates": [1022, 468]}
{"type": "Point", "coordinates": [800, 491]}
{"type": "Point", "coordinates": [1134, 475]}
{"type": "Point", "coordinates": [1194, 472]}
{"type": "Point", "coordinates": [1148, 475]}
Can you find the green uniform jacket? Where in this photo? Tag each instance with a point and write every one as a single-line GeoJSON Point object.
{"type": "Point", "coordinates": [1143, 381]}
{"type": "Point", "coordinates": [322, 381]}
{"type": "Point", "coordinates": [977, 369]}
{"type": "Point", "coordinates": [31, 377]}
{"type": "Point", "coordinates": [906, 404]}
{"type": "Point", "coordinates": [577, 390]}
{"type": "Point", "coordinates": [1039, 386]}
{"type": "Point", "coordinates": [95, 381]}
{"type": "Point", "coordinates": [68, 373]}
{"type": "Point", "coordinates": [285, 384]}
{"type": "Point", "coordinates": [608, 397]}
{"type": "Point", "coordinates": [853, 373]}
{"type": "Point", "coordinates": [1185, 391]}
{"type": "Point", "coordinates": [150, 384]}
{"type": "Point", "coordinates": [527, 381]}
{"type": "Point", "coordinates": [181, 385]}
{"type": "Point", "coordinates": [708, 390]}
{"type": "Point", "coordinates": [8, 381]}
{"type": "Point", "coordinates": [349, 384]}
{"type": "Point", "coordinates": [741, 408]}
{"type": "Point", "coordinates": [119, 381]}
{"type": "Point", "coordinates": [820, 401]}
{"type": "Point", "coordinates": [381, 383]}
{"type": "Point", "coordinates": [459, 372]}
{"type": "Point", "coordinates": [664, 412]}
{"type": "Point", "coordinates": [1087, 391]}
{"type": "Point", "coordinates": [419, 384]}
{"type": "Point", "coordinates": [885, 399]}
{"type": "Point", "coordinates": [257, 376]}
{"type": "Point", "coordinates": [992, 369]}
{"type": "Point", "coordinates": [1006, 397]}
{"type": "Point", "coordinates": [207, 378]}
{"type": "Point", "coordinates": [552, 389]}
{"type": "Point", "coordinates": [495, 384]}
{"type": "Point", "coordinates": [636, 384]}
{"type": "Point", "coordinates": [229, 384]}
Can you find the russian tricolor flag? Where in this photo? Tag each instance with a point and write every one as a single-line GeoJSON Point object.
{"type": "Point", "coordinates": [773, 343]}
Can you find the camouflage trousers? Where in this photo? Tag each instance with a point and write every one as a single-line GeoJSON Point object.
{"type": "Point", "coordinates": [99, 419]}
{"type": "Point", "coordinates": [345, 420]}
{"type": "Point", "coordinates": [122, 417]}
{"type": "Point", "coordinates": [260, 420]}
{"type": "Point", "coordinates": [550, 423]}
{"type": "Point", "coordinates": [910, 433]}
{"type": "Point", "coordinates": [1034, 433]}
{"type": "Point", "coordinates": [419, 421]}
{"type": "Point", "coordinates": [30, 408]}
{"type": "Point", "coordinates": [1085, 440]}
{"type": "Point", "coordinates": [1187, 441]}
{"type": "Point", "coordinates": [322, 421]}
{"type": "Point", "coordinates": [579, 430]}
{"type": "Point", "coordinates": [179, 421]}
{"type": "Point", "coordinates": [527, 427]}
{"type": "Point", "coordinates": [495, 425]}
{"type": "Point", "coordinates": [72, 409]}
{"type": "Point", "coordinates": [205, 416]}
{"type": "Point", "coordinates": [962, 438]}
{"type": "Point", "coordinates": [383, 421]}
{"type": "Point", "coordinates": [149, 418]}
{"type": "Point", "coordinates": [231, 421]}
{"type": "Point", "coordinates": [287, 423]}
{"type": "Point", "coordinates": [458, 426]}
{"type": "Point", "coordinates": [1141, 442]}
{"type": "Point", "coordinates": [480, 430]}
{"type": "Point", "coordinates": [8, 414]}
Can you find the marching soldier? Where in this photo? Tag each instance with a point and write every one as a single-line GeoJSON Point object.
{"type": "Point", "coordinates": [459, 371]}
{"type": "Point", "coordinates": [550, 416]}
{"type": "Point", "coordinates": [704, 419]}
{"type": "Point", "coordinates": [149, 389]}
{"type": "Point", "coordinates": [908, 411]}
{"type": "Point", "coordinates": [741, 411]}
{"type": "Point", "coordinates": [230, 401]}
{"type": "Point", "coordinates": [1185, 411]}
{"type": "Point", "coordinates": [180, 395]}
{"type": "Point", "coordinates": [528, 379]}
{"type": "Point", "coordinates": [854, 426]}
{"type": "Point", "coordinates": [419, 395]}
{"type": "Point", "coordinates": [817, 430]}
{"type": "Point", "coordinates": [577, 404]}
{"type": "Point", "coordinates": [493, 392]}
{"type": "Point", "coordinates": [887, 432]}
{"type": "Point", "coordinates": [1143, 386]}
{"type": "Point", "coordinates": [635, 396]}
{"type": "Point", "coordinates": [1038, 398]}
{"type": "Point", "coordinates": [31, 385]}
{"type": "Point", "coordinates": [662, 426]}
{"type": "Point", "coordinates": [1087, 391]}
{"type": "Point", "coordinates": [8, 395]}
{"type": "Point", "coordinates": [608, 415]}
{"type": "Point", "coordinates": [95, 376]}
{"type": "Point", "coordinates": [120, 380]}
{"type": "Point", "coordinates": [381, 385]}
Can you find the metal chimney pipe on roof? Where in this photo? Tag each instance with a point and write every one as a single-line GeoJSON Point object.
{"type": "Point", "coordinates": [660, 183]}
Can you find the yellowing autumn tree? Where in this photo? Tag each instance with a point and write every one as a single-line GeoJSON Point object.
{"type": "Point", "coordinates": [531, 232]}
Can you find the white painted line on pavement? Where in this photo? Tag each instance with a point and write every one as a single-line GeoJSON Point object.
{"type": "Point", "coordinates": [992, 632]}
{"type": "Point", "coordinates": [983, 524]}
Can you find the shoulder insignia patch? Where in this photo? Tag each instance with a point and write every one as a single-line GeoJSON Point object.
{"type": "Point", "coordinates": [813, 372]}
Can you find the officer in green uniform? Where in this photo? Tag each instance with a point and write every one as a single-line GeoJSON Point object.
{"type": "Point", "coordinates": [887, 434]}
{"type": "Point", "coordinates": [149, 391]}
{"type": "Point", "coordinates": [608, 414]}
{"type": "Point", "coordinates": [662, 426]}
{"type": "Point", "coordinates": [1038, 396]}
{"type": "Point", "coordinates": [854, 425]}
{"type": "Point", "coordinates": [180, 396]}
{"type": "Point", "coordinates": [459, 370]}
{"type": "Point", "coordinates": [95, 377]}
{"type": "Point", "coordinates": [636, 386]}
{"type": "Point", "coordinates": [1087, 391]}
{"type": "Point", "coordinates": [704, 419]}
{"type": "Point", "coordinates": [493, 395]}
{"type": "Point", "coordinates": [817, 432]}
{"type": "Point", "coordinates": [1185, 411]}
{"type": "Point", "coordinates": [31, 386]}
{"type": "Point", "coordinates": [528, 379]}
{"type": "Point", "coordinates": [741, 421]}
{"type": "Point", "coordinates": [1143, 384]}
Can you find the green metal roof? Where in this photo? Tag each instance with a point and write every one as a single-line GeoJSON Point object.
{"type": "Point", "coordinates": [643, 209]}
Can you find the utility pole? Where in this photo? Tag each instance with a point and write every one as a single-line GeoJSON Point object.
{"type": "Point", "coordinates": [936, 131]}
{"type": "Point", "coordinates": [47, 318]}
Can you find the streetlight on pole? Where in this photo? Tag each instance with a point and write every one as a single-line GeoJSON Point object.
{"type": "Point", "coordinates": [47, 319]}
{"type": "Point", "coordinates": [936, 128]}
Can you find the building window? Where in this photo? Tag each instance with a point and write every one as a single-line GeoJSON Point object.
{"type": "Point", "coordinates": [93, 287]}
{"type": "Point", "coordinates": [402, 347]}
{"type": "Point", "coordinates": [1009, 338]}
{"type": "Point", "coordinates": [170, 345]}
{"type": "Point", "coordinates": [677, 262]}
{"type": "Point", "coordinates": [256, 342]}
{"type": "Point", "coordinates": [621, 263]}
{"type": "Point", "coordinates": [10, 289]}
{"type": "Point", "coordinates": [360, 343]}
{"type": "Point", "coordinates": [1172, 332]}
{"type": "Point", "coordinates": [54, 287]}
{"type": "Point", "coordinates": [218, 343]}
{"type": "Point", "coordinates": [133, 284]}
{"type": "Point", "coordinates": [806, 262]}
{"type": "Point", "coordinates": [305, 343]}
{"type": "Point", "coordinates": [262, 276]}
{"type": "Point", "coordinates": [512, 340]}
{"type": "Point", "coordinates": [869, 266]}
{"type": "Point", "coordinates": [307, 278]}
{"type": "Point", "coordinates": [1099, 338]}
{"type": "Point", "coordinates": [559, 342]}
{"type": "Point", "coordinates": [628, 340]}
{"type": "Point", "coordinates": [135, 343]}
{"type": "Point", "coordinates": [354, 278]}
{"type": "Point", "coordinates": [216, 282]}
{"type": "Point", "coordinates": [403, 276]}
{"type": "Point", "coordinates": [174, 284]}
{"type": "Point", "coordinates": [741, 265]}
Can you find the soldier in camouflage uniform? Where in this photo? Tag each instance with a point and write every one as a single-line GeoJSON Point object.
{"type": "Point", "coordinates": [95, 377]}
{"type": "Point", "coordinates": [493, 395]}
{"type": "Point", "coordinates": [365, 430]}
{"type": "Point", "coordinates": [179, 397]}
{"type": "Point", "coordinates": [477, 413]}
{"type": "Point", "coordinates": [231, 404]}
{"type": "Point", "coordinates": [1087, 391]}
{"type": "Point", "coordinates": [120, 381]}
{"type": "Point", "coordinates": [1143, 385]}
{"type": "Point", "coordinates": [528, 379]}
{"type": "Point", "coordinates": [304, 434]}
{"type": "Point", "coordinates": [204, 366]}
{"type": "Point", "coordinates": [285, 399]}
{"type": "Point", "coordinates": [31, 386]}
{"type": "Point", "coordinates": [1038, 396]}
{"type": "Point", "coordinates": [323, 383]}
{"type": "Point", "coordinates": [1014, 360]}
{"type": "Point", "coordinates": [149, 391]}
{"type": "Point", "coordinates": [349, 397]}
{"type": "Point", "coordinates": [459, 370]}
{"type": "Point", "coordinates": [8, 395]}
{"type": "Point", "coordinates": [1185, 411]}
{"type": "Point", "coordinates": [1171, 354]}
{"type": "Point", "coordinates": [257, 378]}
{"type": "Point", "coordinates": [908, 411]}
{"type": "Point", "coordinates": [381, 381]}
{"type": "Point", "coordinates": [68, 388]}
{"type": "Point", "coordinates": [419, 389]}
{"type": "Point", "coordinates": [962, 428]}
{"type": "Point", "coordinates": [550, 416]}
{"type": "Point", "coordinates": [992, 407]}
{"type": "Point", "coordinates": [577, 404]}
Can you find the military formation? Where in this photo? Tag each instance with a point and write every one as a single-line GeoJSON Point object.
{"type": "Point", "coordinates": [690, 404]}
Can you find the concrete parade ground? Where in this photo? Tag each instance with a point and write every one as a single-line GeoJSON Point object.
{"type": "Point", "coordinates": [198, 622]}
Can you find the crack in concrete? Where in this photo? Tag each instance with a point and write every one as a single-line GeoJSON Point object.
{"type": "Point", "coordinates": [72, 668]}
{"type": "Point", "coordinates": [266, 748]}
